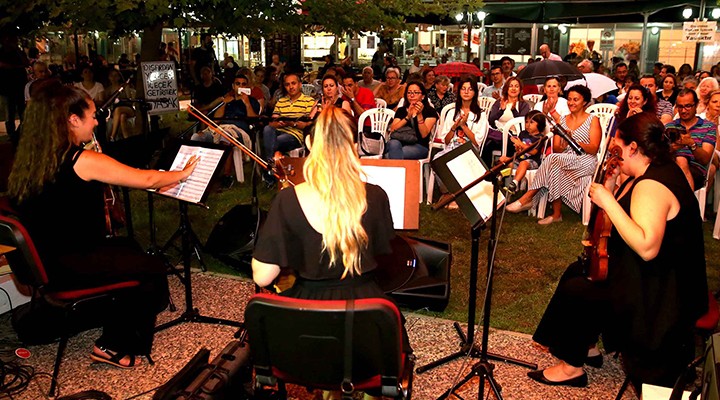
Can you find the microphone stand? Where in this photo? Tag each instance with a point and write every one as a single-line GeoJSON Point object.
{"type": "Point", "coordinates": [560, 131]}
{"type": "Point", "coordinates": [483, 368]}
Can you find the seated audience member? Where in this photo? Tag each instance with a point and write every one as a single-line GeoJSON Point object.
{"type": "Point", "coordinates": [508, 65]}
{"type": "Point", "coordinates": [564, 174]}
{"type": "Point", "coordinates": [255, 90]}
{"type": "Point", "coordinates": [664, 109]}
{"type": "Point", "coordinates": [706, 86]}
{"type": "Point", "coordinates": [40, 73]}
{"type": "Point", "coordinates": [693, 148]}
{"type": "Point", "coordinates": [711, 114]}
{"type": "Point", "coordinates": [391, 90]}
{"type": "Point", "coordinates": [94, 89]}
{"type": "Point", "coordinates": [415, 120]}
{"type": "Point", "coordinates": [689, 82]}
{"type": "Point", "coordinates": [209, 92]}
{"type": "Point", "coordinates": [441, 96]}
{"type": "Point", "coordinates": [465, 122]}
{"type": "Point", "coordinates": [368, 81]}
{"type": "Point", "coordinates": [684, 71]}
{"type": "Point", "coordinates": [586, 66]}
{"type": "Point", "coordinates": [360, 98]}
{"type": "Point", "coordinates": [123, 109]}
{"type": "Point", "coordinates": [669, 89]}
{"type": "Point", "coordinates": [667, 69]}
{"type": "Point", "coordinates": [637, 100]}
{"type": "Point", "coordinates": [533, 132]}
{"type": "Point", "coordinates": [428, 78]}
{"type": "Point", "coordinates": [57, 187]}
{"type": "Point", "coordinates": [331, 95]}
{"type": "Point", "coordinates": [656, 287]}
{"type": "Point", "coordinates": [238, 105]}
{"type": "Point", "coordinates": [510, 105]}
{"type": "Point", "coordinates": [260, 80]}
{"type": "Point", "coordinates": [553, 105]}
{"type": "Point", "coordinates": [497, 81]}
{"type": "Point", "coordinates": [285, 133]}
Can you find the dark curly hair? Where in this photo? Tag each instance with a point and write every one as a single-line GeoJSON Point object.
{"type": "Point", "coordinates": [648, 132]}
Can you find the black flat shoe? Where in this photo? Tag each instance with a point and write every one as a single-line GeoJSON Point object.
{"type": "Point", "coordinates": [594, 361]}
{"type": "Point", "coordinates": [539, 376]}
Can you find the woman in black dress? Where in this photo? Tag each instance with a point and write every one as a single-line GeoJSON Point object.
{"type": "Point", "coordinates": [656, 286]}
{"type": "Point", "coordinates": [57, 188]}
{"type": "Point", "coordinates": [329, 228]}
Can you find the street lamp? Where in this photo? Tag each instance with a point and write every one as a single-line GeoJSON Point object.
{"type": "Point", "coordinates": [715, 14]}
{"type": "Point", "coordinates": [459, 17]}
{"type": "Point", "coordinates": [687, 13]}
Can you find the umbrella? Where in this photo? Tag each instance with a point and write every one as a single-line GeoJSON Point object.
{"type": "Point", "coordinates": [457, 69]}
{"type": "Point", "coordinates": [537, 72]}
{"type": "Point", "coordinates": [599, 84]}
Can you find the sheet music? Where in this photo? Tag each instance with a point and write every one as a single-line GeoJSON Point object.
{"type": "Point", "coordinates": [392, 181]}
{"type": "Point", "coordinates": [194, 187]}
{"type": "Point", "coordinates": [466, 168]}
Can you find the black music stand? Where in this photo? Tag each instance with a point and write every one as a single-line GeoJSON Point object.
{"type": "Point", "coordinates": [212, 157]}
{"type": "Point", "coordinates": [457, 169]}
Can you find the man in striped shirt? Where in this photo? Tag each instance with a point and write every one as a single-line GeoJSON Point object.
{"type": "Point", "coordinates": [693, 150]}
{"type": "Point", "coordinates": [285, 132]}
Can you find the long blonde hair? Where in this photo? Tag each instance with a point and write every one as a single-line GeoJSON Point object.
{"type": "Point", "coordinates": [333, 171]}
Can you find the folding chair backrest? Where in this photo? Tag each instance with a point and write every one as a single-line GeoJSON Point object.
{"type": "Point", "coordinates": [302, 341]}
{"type": "Point", "coordinates": [24, 261]}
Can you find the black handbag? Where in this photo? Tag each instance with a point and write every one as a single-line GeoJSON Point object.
{"type": "Point", "coordinates": [405, 134]}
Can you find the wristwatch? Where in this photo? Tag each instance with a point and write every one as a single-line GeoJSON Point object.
{"type": "Point", "coordinates": [352, 100]}
{"type": "Point", "coordinates": [693, 147]}
{"type": "Point", "coordinates": [294, 124]}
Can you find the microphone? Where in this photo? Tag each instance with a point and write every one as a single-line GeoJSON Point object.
{"type": "Point", "coordinates": [559, 130]}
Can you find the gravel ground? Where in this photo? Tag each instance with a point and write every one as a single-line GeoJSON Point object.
{"type": "Point", "coordinates": [225, 297]}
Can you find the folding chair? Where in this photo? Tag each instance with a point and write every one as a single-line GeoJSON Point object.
{"type": "Point", "coordinates": [344, 345]}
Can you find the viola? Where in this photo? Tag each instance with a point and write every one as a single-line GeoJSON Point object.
{"type": "Point", "coordinates": [114, 213]}
{"type": "Point", "coordinates": [595, 245]}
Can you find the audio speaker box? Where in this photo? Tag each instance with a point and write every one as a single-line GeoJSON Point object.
{"type": "Point", "coordinates": [233, 237]}
{"type": "Point", "coordinates": [417, 274]}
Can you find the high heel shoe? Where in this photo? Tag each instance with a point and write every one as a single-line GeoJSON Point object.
{"type": "Point", "coordinates": [595, 361]}
{"type": "Point", "coordinates": [578, 381]}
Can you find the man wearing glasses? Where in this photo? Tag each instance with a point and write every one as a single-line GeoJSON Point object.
{"type": "Point", "coordinates": [498, 80]}
{"type": "Point", "coordinates": [694, 149]}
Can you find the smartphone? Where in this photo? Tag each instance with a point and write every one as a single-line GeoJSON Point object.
{"type": "Point", "coordinates": [242, 90]}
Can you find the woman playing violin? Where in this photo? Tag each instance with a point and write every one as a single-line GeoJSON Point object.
{"type": "Point", "coordinates": [656, 286]}
{"type": "Point", "coordinates": [57, 187]}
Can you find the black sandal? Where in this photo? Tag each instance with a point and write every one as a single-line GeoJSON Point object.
{"type": "Point", "coordinates": [112, 358]}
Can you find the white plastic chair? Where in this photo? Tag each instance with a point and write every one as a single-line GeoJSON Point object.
{"type": "Point", "coordinates": [481, 87]}
{"type": "Point", "coordinates": [486, 103]}
{"type": "Point", "coordinates": [534, 98]}
{"type": "Point", "coordinates": [380, 103]}
{"type": "Point", "coordinates": [437, 143]}
{"type": "Point", "coordinates": [380, 119]}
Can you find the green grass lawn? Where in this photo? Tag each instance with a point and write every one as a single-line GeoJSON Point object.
{"type": "Point", "coordinates": [530, 258]}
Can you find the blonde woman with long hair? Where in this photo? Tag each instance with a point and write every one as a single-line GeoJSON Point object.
{"type": "Point", "coordinates": [329, 228]}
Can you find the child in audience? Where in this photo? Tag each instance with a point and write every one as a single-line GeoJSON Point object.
{"type": "Point", "coordinates": [534, 127]}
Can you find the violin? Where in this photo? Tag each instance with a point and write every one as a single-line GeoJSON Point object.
{"type": "Point", "coordinates": [595, 252]}
{"type": "Point", "coordinates": [280, 171]}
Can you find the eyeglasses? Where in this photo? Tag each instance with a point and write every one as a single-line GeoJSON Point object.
{"type": "Point", "coordinates": [391, 78]}
{"type": "Point", "coordinates": [685, 106]}
{"type": "Point", "coordinates": [414, 93]}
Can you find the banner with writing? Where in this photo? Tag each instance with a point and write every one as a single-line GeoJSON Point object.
{"type": "Point", "coordinates": [160, 83]}
{"type": "Point", "coordinates": [699, 31]}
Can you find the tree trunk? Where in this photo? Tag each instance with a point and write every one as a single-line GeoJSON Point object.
{"type": "Point", "coordinates": [151, 38]}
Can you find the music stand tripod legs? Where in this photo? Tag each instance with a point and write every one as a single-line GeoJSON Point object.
{"type": "Point", "coordinates": [190, 314]}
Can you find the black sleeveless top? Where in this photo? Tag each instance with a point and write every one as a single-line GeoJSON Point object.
{"type": "Point", "coordinates": [659, 300]}
{"type": "Point", "coordinates": [68, 215]}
